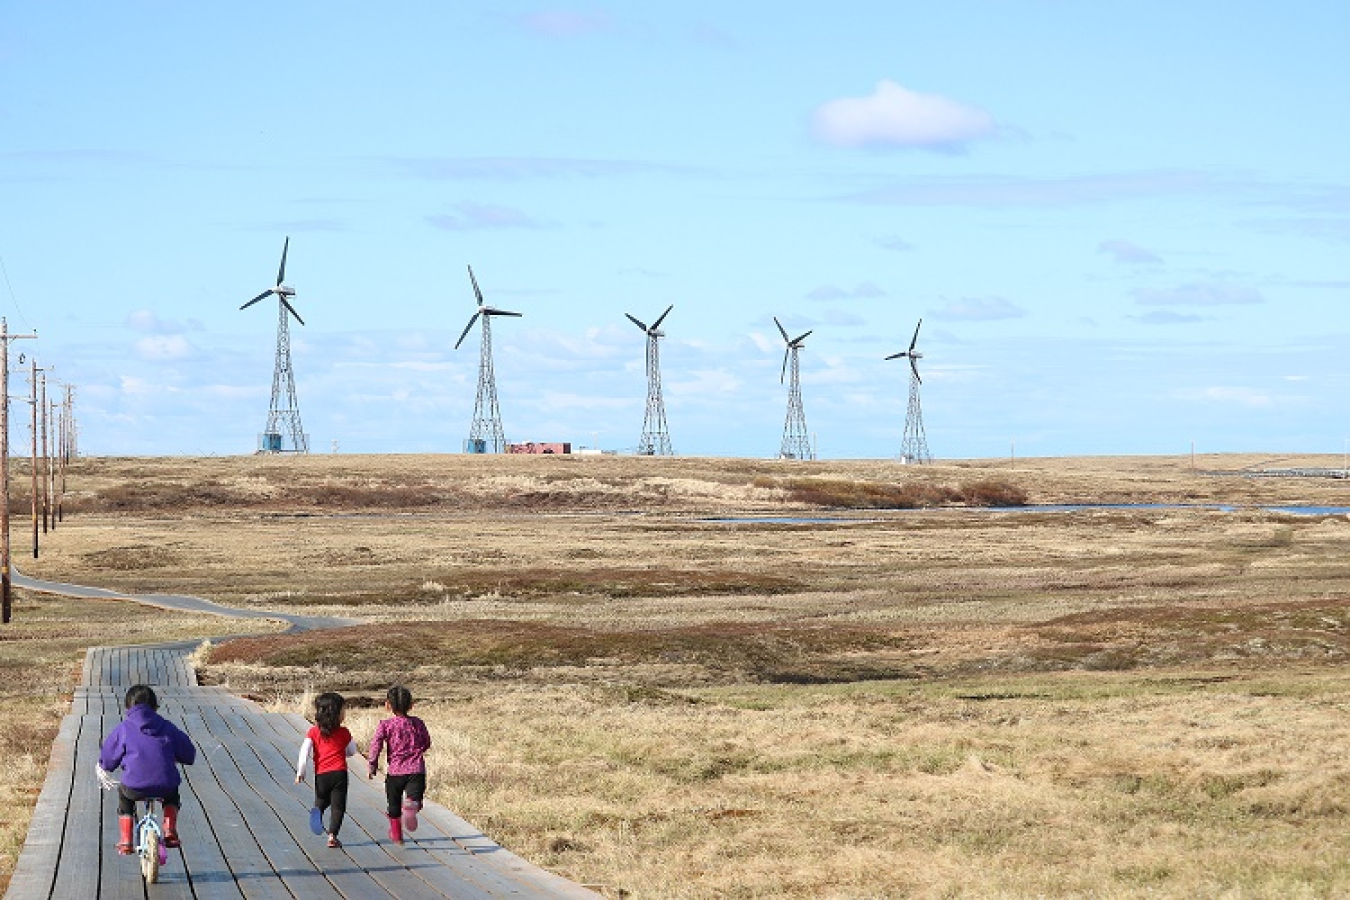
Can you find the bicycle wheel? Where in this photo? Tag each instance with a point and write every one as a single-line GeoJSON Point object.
{"type": "Point", "coordinates": [150, 855]}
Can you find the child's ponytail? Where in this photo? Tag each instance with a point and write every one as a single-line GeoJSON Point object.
{"type": "Point", "coordinates": [328, 712]}
{"type": "Point", "coordinates": [400, 699]}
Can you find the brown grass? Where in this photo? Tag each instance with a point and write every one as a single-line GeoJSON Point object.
{"type": "Point", "coordinates": [944, 702]}
{"type": "Point", "coordinates": [41, 652]}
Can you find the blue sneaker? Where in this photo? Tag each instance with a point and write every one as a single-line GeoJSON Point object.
{"type": "Point", "coordinates": [316, 820]}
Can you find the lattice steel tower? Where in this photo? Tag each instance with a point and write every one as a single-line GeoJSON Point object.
{"type": "Point", "coordinates": [485, 434]}
{"type": "Point", "coordinates": [655, 440]}
{"type": "Point", "coordinates": [283, 432]}
{"type": "Point", "coordinates": [914, 445]}
{"type": "Point", "coordinates": [796, 440]}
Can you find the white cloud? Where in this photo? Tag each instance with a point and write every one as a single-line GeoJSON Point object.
{"type": "Point", "coordinates": [467, 216]}
{"type": "Point", "coordinates": [1013, 192]}
{"type": "Point", "coordinates": [133, 386]}
{"type": "Point", "coordinates": [979, 309]}
{"type": "Point", "coordinates": [844, 318]}
{"type": "Point", "coordinates": [147, 322]}
{"type": "Point", "coordinates": [863, 291]}
{"type": "Point", "coordinates": [521, 168]}
{"type": "Point", "coordinates": [891, 242]}
{"type": "Point", "coordinates": [894, 116]}
{"type": "Point", "coordinates": [1199, 294]}
{"type": "Point", "coordinates": [165, 346]}
{"type": "Point", "coordinates": [1167, 317]}
{"type": "Point", "coordinates": [1128, 252]}
{"type": "Point", "coordinates": [565, 23]}
{"type": "Point", "coordinates": [1238, 396]}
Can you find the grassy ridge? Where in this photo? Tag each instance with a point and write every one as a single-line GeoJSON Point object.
{"type": "Point", "coordinates": [1109, 702]}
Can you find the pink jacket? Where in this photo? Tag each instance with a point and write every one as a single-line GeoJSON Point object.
{"type": "Point", "coordinates": [407, 738]}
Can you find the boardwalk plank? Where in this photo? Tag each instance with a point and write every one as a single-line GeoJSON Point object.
{"type": "Point", "coordinates": [284, 853]}
{"type": "Point", "coordinates": [82, 842]}
{"type": "Point", "coordinates": [244, 822]}
{"type": "Point", "coordinates": [441, 862]}
{"type": "Point", "coordinates": [36, 868]}
{"type": "Point", "coordinates": [222, 820]}
{"type": "Point", "coordinates": [291, 804]}
{"type": "Point", "coordinates": [277, 749]}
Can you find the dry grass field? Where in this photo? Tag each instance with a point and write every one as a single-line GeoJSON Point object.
{"type": "Point", "coordinates": [738, 678]}
{"type": "Point", "coordinates": [41, 652]}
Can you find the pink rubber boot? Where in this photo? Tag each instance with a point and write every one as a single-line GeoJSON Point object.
{"type": "Point", "coordinates": [410, 810]}
{"type": "Point", "coordinates": [396, 829]}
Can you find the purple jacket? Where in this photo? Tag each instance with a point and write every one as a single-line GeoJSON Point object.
{"type": "Point", "coordinates": [148, 747]}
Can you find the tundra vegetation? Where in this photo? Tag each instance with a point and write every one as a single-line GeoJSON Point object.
{"type": "Point", "coordinates": [734, 678]}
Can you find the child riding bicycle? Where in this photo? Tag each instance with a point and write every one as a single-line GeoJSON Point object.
{"type": "Point", "coordinates": [148, 748]}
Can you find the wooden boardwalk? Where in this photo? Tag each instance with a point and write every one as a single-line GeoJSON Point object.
{"type": "Point", "coordinates": [244, 822]}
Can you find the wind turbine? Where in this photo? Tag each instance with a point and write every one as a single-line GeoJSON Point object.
{"type": "Point", "coordinates": [655, 440]}
{"type": "Point", "coordinates": [283, 432]}
{"type": "Point", "coordinates": [796, 442]}
{"type": "Point", "coordinates": [486, 434]}
{"type": "Point", "coordinates": [914, 446]}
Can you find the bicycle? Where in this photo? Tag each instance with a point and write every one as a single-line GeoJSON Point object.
{"type": "Point", "coordinates": [148, 834]}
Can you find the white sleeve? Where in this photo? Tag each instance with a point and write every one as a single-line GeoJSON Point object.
{"type": "Point", "coordinates": [306, 751]}
{"type": "Point", "coordinates": [351, 747]}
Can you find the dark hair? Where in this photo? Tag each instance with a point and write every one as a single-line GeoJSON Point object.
{"type": "Point", "coordinates": [140, 694]}
{"type": "Point", "coordinates": [400, 699]}
{"type": "Point", "coordinates": [328, 712]}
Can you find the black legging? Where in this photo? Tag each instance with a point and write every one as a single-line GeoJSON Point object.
{"type": "Point", "coordinates": [127, 797]}
{"type": "Point", "coordinates": [330, 791]}
{"type": "Point", "coordinates": [395, 785]}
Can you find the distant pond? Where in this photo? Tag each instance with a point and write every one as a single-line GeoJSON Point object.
{"type": "Point", "coordinates": [1031, 508]}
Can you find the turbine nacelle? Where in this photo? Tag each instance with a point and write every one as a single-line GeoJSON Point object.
{"type": "Point", "coordinates": [653, 330]}
{"type": "Point", "coordinates": [793, 344]}
{"type": "Point", "coordinates": [483, 310]}
{"type": "Point", "coordinates": [282, 290]}
{"type": "Point", "coordinates": [911, 354]}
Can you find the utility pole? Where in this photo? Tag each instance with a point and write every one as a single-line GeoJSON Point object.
{"type": "Point", "coordinates": [53, 455]}
{"type": "Point", "coordinates": [33, 399]}
{"type": "Point", "coordinates": [46, 459]}
{"type": "Point", "coordinates": [67, 446]}
{"type": "Point", "coordinates": [5, 337]}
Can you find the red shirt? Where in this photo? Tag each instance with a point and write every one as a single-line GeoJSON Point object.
{"type": "Point", "coordinates": [330, 753]}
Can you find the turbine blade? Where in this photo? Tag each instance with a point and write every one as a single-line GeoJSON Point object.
{"type": "Point", "coordinates": [915, 368]}
{"type": "Point", "coordinates": [657, 323]}
{"type": "Point", "coordinates": [501, 312]}
{"type": "Point", "coordinates": [801, 338]}
{"type": "Point", "coordinates": [472, 319]}
{"type": "Point", "coordinates": [781, 330]}
{"type": "Point", "coordinates": [476, 292]}
{"type": "Point", "coordinates": [783, 374]}
{"type": "Point", "coordinates": [281, 273]}
{"type": "Point", "coordinates": [897, 355]}
{"type": "Point", "coordinates": [636, 322]}
{"type": "Point", "coordinates": [291, 308]}
{"type": "Point", "coordinates": [265, 293]}
{"type": "Point", "coordinates": [916, 335]}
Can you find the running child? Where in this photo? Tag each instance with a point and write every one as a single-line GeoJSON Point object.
{"type": "Point", "coordinates": [328, 744]}
{"type": "Point", "coordinates": [406, 771]}
{"type": "Point", "coordinates": [148, 748]}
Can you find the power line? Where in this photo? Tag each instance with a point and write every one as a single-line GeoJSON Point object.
{"type": "Point", "coordinates": [13, 299]}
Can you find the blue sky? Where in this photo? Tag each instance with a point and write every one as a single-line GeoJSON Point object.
{"type": "Point", "coordinates": [1125, 228]}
